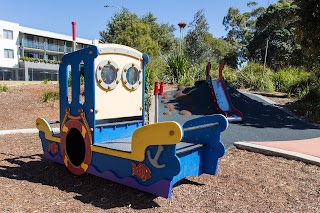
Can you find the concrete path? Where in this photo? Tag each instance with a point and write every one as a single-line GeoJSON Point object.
{"type": "Point", "coordinates": [307, 150]}
{"type": "Point", "coordinates": [23, 131]}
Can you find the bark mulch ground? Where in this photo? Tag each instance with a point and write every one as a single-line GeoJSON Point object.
{"type": "Point", "coordinates": [245, 182]}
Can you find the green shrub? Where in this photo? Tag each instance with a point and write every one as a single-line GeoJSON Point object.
{"type": "Point", "coordinates": [177, 66]}
{"type": "Point", "coordinates": [155, 70]}
{"type": "Point", "coordinates": [45, 81]}
{"type": "Point", "coordinates": [37, 60]}
{"type": "Point", "coordinates": [49, 96]}
{"type": "Point", "coordinates": [198, 71]}
{"type": "Point", "coordinates": [309, 105]}
{"type": "Point", "coordinates": [229, 75]}
{"type": "Point", "coordinates": [81, 80]}
{"type": "Point", "coordinates": [293, 81]}
{"type": "Point", "coordinates": [70, 80]}
{"type": "Point", "coordinates": [148, 106]}
{"type": "Point", "coordinates": [24, 58]}
{"type": "Point", "coordinates": [254, 76]}
{"type": "Point", "coordinates": [186, 80]}
{"type": "Point", "coordinates": [4, 88]}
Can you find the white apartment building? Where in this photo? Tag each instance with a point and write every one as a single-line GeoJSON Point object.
{"type": "Point", "coordinates": [28, 54]}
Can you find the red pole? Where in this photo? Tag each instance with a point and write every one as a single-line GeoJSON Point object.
{"type": "Point", "coordinates": [73, 36]}
{"type": "Point", "coordinates": [73, 31]}
{"type": "Point", "coordinates": [156, 88]}
{"type": "Point", "coordinates": [161, 88]}
{"type": "Point", "coordinates": [208, 68]}
{"type": "Point", "coordinates": [220, 71]}
{"type": "Point", "coordinates": [156, 92]}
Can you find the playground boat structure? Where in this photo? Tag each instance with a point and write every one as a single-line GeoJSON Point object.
{"type": "Point", "coordinates": [103, 133]}
{"type": "Point", "coordinates": [220, 96]}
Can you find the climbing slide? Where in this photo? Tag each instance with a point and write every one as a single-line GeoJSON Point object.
{"type": "Point", "coordinates": [221, 96]}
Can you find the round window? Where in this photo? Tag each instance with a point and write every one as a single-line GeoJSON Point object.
{"type": "Point", "coordinates": [132, 75]}
{"type": "Point", "coordinates": [108, 74]}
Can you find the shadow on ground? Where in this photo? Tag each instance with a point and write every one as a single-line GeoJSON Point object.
{"type": "Point", "coordinates": [92, 190]}
{"type": "Point", "coordinates": [256, 111]}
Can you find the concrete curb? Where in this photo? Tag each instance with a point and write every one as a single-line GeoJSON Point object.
{"type": "Point", "coordinates": [261, 97]}
{"type": "Point", "coordinates": [277, 152]}
{"type": "Point", "coordinates": [23, 131]}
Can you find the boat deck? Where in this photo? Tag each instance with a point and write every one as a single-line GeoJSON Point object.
{"type": "Point", "coordinates": [124, 144]}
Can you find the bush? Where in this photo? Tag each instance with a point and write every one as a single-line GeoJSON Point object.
{"type": "Point", "coordinates": [70, 80]}
{"type": "Point", "coordinates": [293, 81]}
{"type": "Point", "coordinates": [177, 66]}
{"type": "Point", "coordinates": [254, 76]}
{"type": "Point", "coordinates": [49, 96]}
{"type": "Point", "coordinates": [309, 105]}
{"type": "Point", "coordinates": [148, 99]}
{"type": "Point", "coordinates": [155, 70]}
{"type": "Point", "coordinates": [198, 71]}
{"type": "Point", "coordinates": [186, 80]}
{"type": "Point", "coordinates": [4, 88]}
{"type": "Point", "coordinates": [45, 81]}
{"type": "Point", "coordinates": [38, 60]}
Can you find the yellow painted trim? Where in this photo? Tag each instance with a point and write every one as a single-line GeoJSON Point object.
{"type": "Point", "coordinates": [74, 117]}
{"type": "Point", "coordinates": [84, 166]}
{"type": "Point", "coordinates": [66, 160]}
{"type": "Point", "coordinates": [112, 152]}
{"type": "Point", "coordinates": [44, 126]}
{"type": "Point", "coordinates": [83, 131]}
{"type": "Point", "coordinates": [64, 129]}
{"type": "Point", "coordinates": [164, 133]}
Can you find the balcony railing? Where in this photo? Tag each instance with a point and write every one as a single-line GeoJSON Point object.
{"type": "Point", "coordinates": [33, 44]}
{"type": "Point", "coordinates": [46, 46]}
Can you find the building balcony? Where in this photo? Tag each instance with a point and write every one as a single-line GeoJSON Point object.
{"type": "Point", "coordinates": [45, 46]}
{"type": "Point", "coordinates": [38, 65]}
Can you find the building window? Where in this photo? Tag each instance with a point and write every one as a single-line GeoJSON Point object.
{"type": "Point", "coordinates": [8, 53]}
{"type": "Point", "coordinates": [53, 57]}
{"type": "Point", "coordinates": [8, 34]}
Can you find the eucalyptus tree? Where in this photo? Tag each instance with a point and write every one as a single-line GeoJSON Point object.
{"type": "Point", "coordinates": [196, 46]}
{"type": "Point", "coordinates": [241, 28]}
{"type": "Point", "coordinates": [308, 27]}
{"type": "Point", "coordinates": [144, 34]}
{"type": "Point", "coordinates": [278, 26]}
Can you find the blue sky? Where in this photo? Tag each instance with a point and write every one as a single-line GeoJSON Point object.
{"type": "Point", "coordinates": [91, 16]}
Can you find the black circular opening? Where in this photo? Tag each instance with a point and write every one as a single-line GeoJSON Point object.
{"type": "Point", "coordinates": [75, 147]}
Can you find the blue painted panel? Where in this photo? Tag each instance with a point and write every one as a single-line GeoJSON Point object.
{"type": "Point", "coordinates": [167, 159]}
{"type": "Point", "coordinates": [45, 144]}
{"type": "Point", "coordinates": [123, 167]}
{"type": "Point", "coordinates": [146, 60]}
{"type": "Point", "coordinates": [213, 148]}
{"type": "Point", "coordinates": [74, 59]}
{"type": "Point", "coordinates": [192, 164]}
{"type": "Point", "coordinates": [114, 132]}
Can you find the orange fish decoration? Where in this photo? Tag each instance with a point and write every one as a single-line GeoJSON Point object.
{"type": "Point", "coordinates": [141, 171]}
{"type": "Point", "coordinates": [53, 148]}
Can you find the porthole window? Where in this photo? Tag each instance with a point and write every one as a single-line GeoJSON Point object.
{"type": "Point", "coordinates": [108, 75]}
{"type": "Point", "coordinates": [132, 76]}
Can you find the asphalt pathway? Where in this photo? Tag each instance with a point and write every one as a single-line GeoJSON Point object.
{"type": "Point", "coordinates": [262, 121]}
